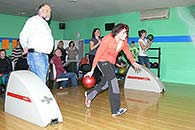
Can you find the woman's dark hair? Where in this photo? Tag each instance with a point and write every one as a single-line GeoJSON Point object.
{"type": "Point", "coordinates": [18, 40]}
{"type": "Point", "coordinates": [2, 50]}
{"type": "Point", "coordinates": [93, 32]}
{"type": "Point", "coordinates": [116, 29]}
{"type": "Point", "coordinates": [140, 32]}
{"type": "Point", "coordinates": [71, 43]}
{"type": "Point", "coordinates": [59, 43]}
{"type": "Point", "coordinates": [133, 42]}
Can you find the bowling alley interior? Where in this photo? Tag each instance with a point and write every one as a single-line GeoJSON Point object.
{"type": "Point", "coordinates": [97, 65]}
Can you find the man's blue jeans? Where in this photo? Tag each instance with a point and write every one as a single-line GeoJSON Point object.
{"type": "Point", "coordinates": [38, 64]}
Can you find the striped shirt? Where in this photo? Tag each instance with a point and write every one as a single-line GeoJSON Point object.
{"type": "Point", "coordinates": [16, 54]}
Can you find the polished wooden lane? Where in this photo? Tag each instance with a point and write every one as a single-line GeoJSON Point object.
{"type": "Point", "coordinates": [173, 110]}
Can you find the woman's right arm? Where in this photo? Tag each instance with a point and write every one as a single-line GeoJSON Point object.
{"type": "Point", "coordinates": [92, 46]}
{"type": "Point", "coordinates": [144, 47]}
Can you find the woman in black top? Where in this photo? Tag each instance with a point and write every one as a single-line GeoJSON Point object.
{"type": "Point", "coordinates": [93, 46]}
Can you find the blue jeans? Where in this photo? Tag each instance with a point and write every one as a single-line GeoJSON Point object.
{"type": "Point", "coordinates": [144, 60]}
{"type": "Point", "coordinates": [38, 64]}
{"type": "Point", "coordinates": [71, 76]}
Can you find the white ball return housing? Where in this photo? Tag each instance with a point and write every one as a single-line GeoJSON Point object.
{"type": "Point", "coordinates": [28, 98]}
{"type": "Point", "coordinates": [144, 80]}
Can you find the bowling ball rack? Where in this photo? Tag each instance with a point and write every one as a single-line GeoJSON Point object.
{"type": "Point", "coordinates": [157, 59]}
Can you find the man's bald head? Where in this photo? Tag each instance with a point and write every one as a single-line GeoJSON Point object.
{"type": "Point", "coordinates": [44, 11]}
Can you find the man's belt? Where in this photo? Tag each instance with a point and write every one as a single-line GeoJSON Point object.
{"type": "Point", "coordinates": [31, 50]}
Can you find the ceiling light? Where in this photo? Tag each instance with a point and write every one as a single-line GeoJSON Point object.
{"type": "Point", "coordinates": [21, 13]}
{"type": "Point", "coordinates": [73, 1]}
{"type": "Point", "coordinates": [52, 5]}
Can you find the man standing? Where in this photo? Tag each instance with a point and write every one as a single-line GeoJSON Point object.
{"type": "Point", "coordinates": [36, 39]}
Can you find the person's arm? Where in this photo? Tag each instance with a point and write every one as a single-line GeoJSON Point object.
{"type": "Point", "coordinates": [66, 49]}
{"type": "Point", "coordinates": [25, 33]}
{"type": "Point", "coordinates": [58, 65]}
{"type": "Point", "coordinates": [9, 64]}
{"type": "Point", "coordinates": [123, 64]}
{"type": "Point", "coordinates": [127, 52]}
{"type": "Point", "coordinates": [77, 50]}
{"type": "Point", "coordinates": [118, 65]}
{"type": "Point", "coordinates": [13, 56]}
{"type": "Point", "coordinates": [149, 44]}
{"type": "Point", "coordinates": [129, 55]}
{"type": "Point", "coordinates": [103, 46]}
{"type": "Point", "coordinates": [92, 46]}
{"type": "Point", "coordinates": [145, 47]}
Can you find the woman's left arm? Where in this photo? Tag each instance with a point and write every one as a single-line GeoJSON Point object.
{"type": "Point", "coordinates": [76, 50]}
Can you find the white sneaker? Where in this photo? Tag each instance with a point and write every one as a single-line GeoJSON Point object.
{"type": "Point", "coordinates": [120, 112]}
{"type": "Point", "coordinates": [87, 100]}
{"type": "Point", "coordinates": [61, 88]}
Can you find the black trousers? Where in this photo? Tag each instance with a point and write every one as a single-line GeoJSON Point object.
{"type": "Point", "coordinates": [108, 81]}
{"type": "Point", "coordinates": [97, 73]}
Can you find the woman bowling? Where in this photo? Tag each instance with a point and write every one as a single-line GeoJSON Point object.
{"type": "Point", "coordinates": [105, 59]}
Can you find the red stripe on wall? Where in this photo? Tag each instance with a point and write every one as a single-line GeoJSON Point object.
{"type": "Point", "coordinates": [139, 78]}
{"type": "Point", "coordinates": [21, 97]}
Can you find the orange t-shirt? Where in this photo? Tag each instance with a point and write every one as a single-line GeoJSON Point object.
{"type": "Point", "coordinates": [107, 50]}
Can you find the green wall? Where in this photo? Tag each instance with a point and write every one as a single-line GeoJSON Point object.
{"type": "Point", "coordinates": [177, 64]}
{"type": "Point", "coordinates": [10, 27]}
{"type": "Point", "coordinates": [173, 26]}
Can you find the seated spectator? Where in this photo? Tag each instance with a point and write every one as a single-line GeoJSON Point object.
{"type": "Point", "coordinates": [21, 63]}
{"type": "Point", "coordinates": [84, 64]}
{"type": "Point", "coordinates": [61, 72]}
{"type": "Point", "coordinates": [17, 52]}
{"type": "Point", "coordinates": [119, 61]}
{"type": "Point", "coordinates": [134, 50]}
{"type": "Point", "coordinates": [64, 54]}
{"type": "Point", "coordinates": [5, 66]}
